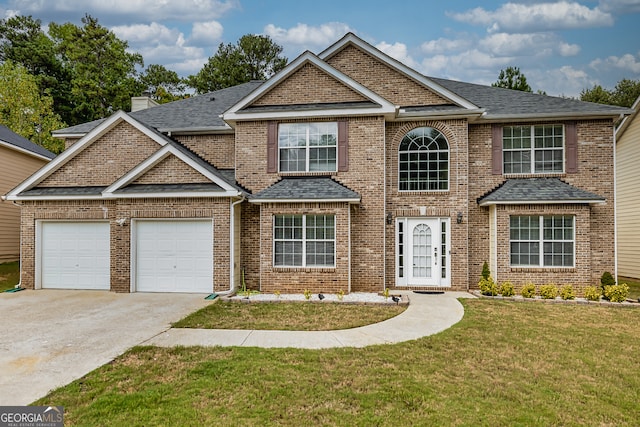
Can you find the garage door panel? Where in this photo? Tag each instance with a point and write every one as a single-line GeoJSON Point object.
{"type": "Point", "coordinates": [174, 256]}
{"type": "Point", "coordinates": [75, 255]}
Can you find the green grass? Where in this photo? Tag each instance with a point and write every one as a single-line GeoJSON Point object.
{"type": "Point", "coordinates": [634, 287]}
{"type": "Point", "coordinates": [302, 316]}
{"type": "Point", "coordinates": [9, 275]}
{"type": "Point", "coordinates": [504, 364]}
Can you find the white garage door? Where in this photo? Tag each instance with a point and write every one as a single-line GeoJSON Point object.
{"type": "Point", "coordinates": [75, 255]}
{"type": "Point", "coordinates": [174, 256]}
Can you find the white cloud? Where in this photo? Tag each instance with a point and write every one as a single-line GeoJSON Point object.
{"type": "Point", "coordinates": [148, 10]}
{"type": "Point", "coordinates": [562, 81]}
{"type": "Point", "coordinates": [625, 62]}
{"type": "Point", "coordinates": [620, 7]}
{"type": "Point", "coordinates": [442, 45]}
{"type": "Point", "coordinates": [398, 51]}
{"type": "Point", "coordinates": [520, 18]}
{"type": "Point", "coordinates": [306, 36]}
{"type": "Point", "coordinates": [534, 44]}
{"type": "Point", "coordinates": [472, 66]}
{"type": "Point", "coordinates": [141, 34]}
{"type": "Point", "coordinates": [206, 32]}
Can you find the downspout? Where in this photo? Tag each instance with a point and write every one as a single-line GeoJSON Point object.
{"type": "Point", "coordinates": [615, 208]}
{"type": "Point", "coordinates": [19, 285]}
{"type": "Point", "coordinates": [232, 249]}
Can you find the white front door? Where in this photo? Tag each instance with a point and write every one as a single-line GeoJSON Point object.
{"type": "Point", "coordinates": [423, 252]}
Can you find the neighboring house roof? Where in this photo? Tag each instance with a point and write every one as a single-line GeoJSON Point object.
{"type": "Point", "coordinates": [538, 191]}
{"type": "Point", "coordinates": [301, 189]}
{"type": "Point", "coordinates": [13, 140]}
{"type": "Point", "coordinates": [627, 120]}
{"type": "Point", "coordinates": [197, 113]}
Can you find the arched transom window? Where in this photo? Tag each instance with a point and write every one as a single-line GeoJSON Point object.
{"type": "Point", "coordinates": [423, 158]}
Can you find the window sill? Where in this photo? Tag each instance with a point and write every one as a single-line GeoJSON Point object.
{"type": "Point", "coordinates": [304, 269]}
{"type": "Point", "coordinates": [307, 173]}
{"type": "Point", "coordinates": [536, 175]}
{"type": "Point", "coordinates": [405, 192]}
{"type": "Point", "coordinates": [543, 269]}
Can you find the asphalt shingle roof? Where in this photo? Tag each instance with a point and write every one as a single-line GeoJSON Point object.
{"type": "Point", "coordinates": [536, 190]}
{"type": "Point", "coordinates": [64, 191]}
{"type": "Point", "coordinates": [170, 188]}
{"type": "Point", "coordinates": [306, 188]}
{"type": "Point", "coordinates": [10, 137]}
{"type": "Point", "coordinates": [500, 101]}
{"type": "Point", "coordinates": [197, 112]}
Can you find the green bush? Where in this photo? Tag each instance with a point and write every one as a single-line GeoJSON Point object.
{"type": "Point", "coordinates": [606, 280]}
{"type": "Point", "coordinates": [592, 293]}
{"type": "Point", "coordinates": [616, 293]}
{"type": "Point", "coordinates": [548, 291]}
{"type": "Point", "coordinates": [528, 290]}
{"type": "Point", "coordinates": [506, 289]}
{"type": "Point", "coordinates": [485, 271]}
{"type": "Point", "coordinates": [566, 292]}
{"type": "Point", "coordinates": [488, 287]}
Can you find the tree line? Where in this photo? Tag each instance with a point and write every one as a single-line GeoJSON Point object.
{"type": "Point", "coordinates": [72, 74]}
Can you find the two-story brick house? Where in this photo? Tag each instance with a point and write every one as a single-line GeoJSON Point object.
{"type": "Point", "coordinates": [345, 171]}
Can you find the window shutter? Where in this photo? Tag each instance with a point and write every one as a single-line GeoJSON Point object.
{"type": "Point", "coordinates": [571, 144]}
{"type": "Point", "coordinates": [272, 147]}
{"type": "Point", "coordinates": [496, 150]}
{"type": "Point", "coordinates": [343, 146]}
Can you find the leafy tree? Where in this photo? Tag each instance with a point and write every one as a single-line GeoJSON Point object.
{"type": "Point", "coordinates": [254, 57]}
{"type": "Point", "coordinates": [23, 41]}
{"type": "Point", "coordinates": [24, 110]}
{"type": "Point", "coordinates": [512, 78]}
{"type": "Point", "coordinates": [162, 84]}
{"type": "Point", "coordinates": [103, 72]}
{"type": "Point", "coordinates": [624, 94]}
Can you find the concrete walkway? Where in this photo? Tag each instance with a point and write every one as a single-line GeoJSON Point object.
{"type": "Point", "coordinates": [426, 315]}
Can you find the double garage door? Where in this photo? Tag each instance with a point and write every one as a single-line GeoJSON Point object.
{"type": "Point", "coordinates": [167, 256]}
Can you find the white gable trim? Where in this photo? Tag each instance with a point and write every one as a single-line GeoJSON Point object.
{"type": "Point", "coordinates": [234, 113]}
{"type": "Point", "coordinates": [83, 143]}
{"type": "Point", "coordinates": [351, 38]}
{"type": "Point", "coordinates": [155, 159]}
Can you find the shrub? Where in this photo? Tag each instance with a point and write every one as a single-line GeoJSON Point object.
{"type": "Point", "coordinates": [566, 292]}
{"type": "Point", "coordinates": [592, 293]}
{"type": "Point", "coordinates": [548, 291]}
{"type": "Point", "coordinates": [528, 290]}
{"type": "Point", "coordinates": [485, 271]}
{"type": "Point", "coordinates": [488, 287]}
{"type": "Point", "coordinates": [506, 289]}
{"type": "Point", "coordinates": [606, 280]}
{"type": "Point", "coordinates": [616, 293]}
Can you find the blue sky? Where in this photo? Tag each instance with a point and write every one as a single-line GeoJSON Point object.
{"type": "Point", "coordinates": [561, 47]}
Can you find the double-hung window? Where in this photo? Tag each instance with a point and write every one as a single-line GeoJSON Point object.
{"type": "Point", "coordinates": [308, 147]}
{"type": "Point", "coordinates": [542, 241]}
{"type": "Point", "coordinates": [304, 241]}
{"type": "Point", "coordinates": [533, 149]}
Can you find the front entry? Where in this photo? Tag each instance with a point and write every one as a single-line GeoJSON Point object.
{"type": "Point", "coordinates": [423, 252]}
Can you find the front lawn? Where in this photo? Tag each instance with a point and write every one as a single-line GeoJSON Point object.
{"type": "Point", "coordinates": [505, 363]}
{"type": "Point", "coordinates": [9, 275]}
{"type": "Point", "coordinates": [302, 316]}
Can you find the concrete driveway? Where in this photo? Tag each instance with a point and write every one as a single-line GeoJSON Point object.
{"type": "Point", "coordinates": [52, 337]}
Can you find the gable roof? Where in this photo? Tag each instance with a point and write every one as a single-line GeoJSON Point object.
{"type": "Point", "coordinates": [306, 189]}
{"type": "Point", "coordinates": [377, 104]}
{"type": "Point", "coordinates": [9, 138]}
{"type": "Point", "coordinates": [28, 188]}
{"type": "Point", "coordinates": [517, 191]}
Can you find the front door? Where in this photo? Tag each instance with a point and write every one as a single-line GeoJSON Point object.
{"type": "Point", "coordinates": [424, 252]}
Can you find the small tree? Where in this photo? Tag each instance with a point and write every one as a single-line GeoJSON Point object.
{"type": "Point", "coordinates": [485, 271]}
{"type": "Point", "coordinates": [606, 280]}
{"type": "Point", "coordinates": [512, 78]}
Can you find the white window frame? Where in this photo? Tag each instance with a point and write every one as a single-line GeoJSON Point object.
{"type": "Point", "coordinates": [438, 151]}
{"type": "Point", "coordinates": [308, 147]}
{"type": "Point", "coordinates": [533, 150]}
{"type": "Point", "coordinates": [541, 242]}
{"type": "Point", "coordinates": [304, 240]}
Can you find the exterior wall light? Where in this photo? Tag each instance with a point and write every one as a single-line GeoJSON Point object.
{"type": "Point", "coordinates": [459, 218]}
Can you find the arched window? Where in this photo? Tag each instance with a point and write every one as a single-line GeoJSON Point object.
{"type": "Point", "coordinates": [423, 158]}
